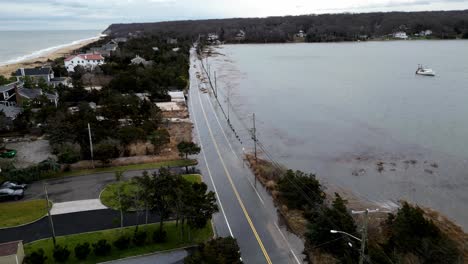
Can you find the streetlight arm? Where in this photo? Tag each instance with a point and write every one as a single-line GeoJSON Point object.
{"type": "Point", "coordinates": [341, 232]}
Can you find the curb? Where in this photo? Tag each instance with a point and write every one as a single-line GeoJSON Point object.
{"type": "Point", "coordinates": [150, 254]}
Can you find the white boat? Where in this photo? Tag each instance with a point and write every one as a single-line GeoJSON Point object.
{"type": "Point", "coordinates": [424, 71]}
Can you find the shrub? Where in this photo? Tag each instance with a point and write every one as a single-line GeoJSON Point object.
{"type": "Point", "coordinates": [219, 250]}
{"type": "Point", "coordinates": [130, 134]}
{"type": "Point", "coordinates": [82, 251]}
{"type": "Point", "coordinates": [61, 254]}
{"type": "Point", "coordinates": [37, 257]}
{"type": "Point", "coordinates": [33, 173]}
{"type": "Point", "coordinates": [295, 197]}
{"type": "Point", "coordinates": [101, 248]}
{"type": "Point", "coordinates": [122, 242]}
{"type": "Point", "coordinates": [107, 150]}
{"type": "Point", "coordinates": [159, 236]}
{"type": "Point", "coordinates": [68, 153]}
{"type": "Point", "coordinates": [139, 238]}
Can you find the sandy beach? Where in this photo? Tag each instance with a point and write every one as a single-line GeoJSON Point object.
{"type": "Point", "coordinates": [6, 70]}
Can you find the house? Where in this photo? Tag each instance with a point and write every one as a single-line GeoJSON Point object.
{"type": "Point", "coordinates": [176, 49]}
{"type": "Point", "coordinates": [35, 74]}
{"type": "Point", "coordinates": [240, 35]}
{"type": "Point", "coordinates": [8, 93]}
{"type": "Point", "coordinates": [155, 49]}
{"type": "Point", "coordinates": [11, 252]}
{"type": "Point", "coordinates": [65, 81]}
{"type": "Point", "coordinates": [120, 40]}
{"type": "Point", "coordinates": [36, 93]}
{"type": "Point", "coordinates": [426, 32]}
{"type": "Point", "coordinates": [139, 60]}
{"type": "Point", "coordinates": [300, 36]}
{"type": "Point", "coordinates": [88, 61]}
{"type": "Point", "coordinates": [110, 46]}
{"type": "Point", "coordinates": [213, 38]}
{"type": "Point", "coordinates": [400, 35]}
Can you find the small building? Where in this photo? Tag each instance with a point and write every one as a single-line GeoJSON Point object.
{"type": "Point", "coordinates": [155, 49]}
{"type": "Point", "coordinates": [400, 35]}
{"type": "Point", "coordinates": [87, 61]}
{"type": "Point", "coordinates": [176, 49]}
{"type": "Point", "coordinates": [11, 252]}
{"type": "Point", "coordinates": [35, 74]}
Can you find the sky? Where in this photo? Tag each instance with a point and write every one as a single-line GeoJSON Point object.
{"type": "Point", "coordinates": [98, 14]}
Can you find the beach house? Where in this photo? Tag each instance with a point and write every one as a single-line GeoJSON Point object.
{"type": "Point", "coordinates": [400, 35]}
{"type": "Point", "coordinates": [139, 60]}
{"type": "Point", "coordinates": [35, 74]}
{"type": "Point", "coordinates": [87, 61]}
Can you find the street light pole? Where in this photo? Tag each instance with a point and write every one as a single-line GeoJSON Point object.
{"type": "Point", "coordinates": [364, 232]}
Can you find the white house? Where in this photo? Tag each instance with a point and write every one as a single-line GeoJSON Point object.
{"type": "Point", "coordinates": [88, 61]}
{"type": "Point", "coordinates": [400, 35]}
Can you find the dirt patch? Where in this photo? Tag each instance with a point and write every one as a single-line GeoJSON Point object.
{"type": "Point", "coordinates": [30, 152]}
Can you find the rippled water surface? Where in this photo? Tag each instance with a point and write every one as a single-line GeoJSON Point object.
{"type": "Point", "coordinates": [358, 116]}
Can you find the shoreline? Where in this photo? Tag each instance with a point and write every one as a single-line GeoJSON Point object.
{"type": "Point", "coordinates": [7, 69]}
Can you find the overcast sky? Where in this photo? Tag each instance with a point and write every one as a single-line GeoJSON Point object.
{"type": "Point", "coordinates": [98, 14]}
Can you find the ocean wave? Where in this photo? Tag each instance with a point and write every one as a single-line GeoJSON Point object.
{"type": "Point", "coordinates": [47, 51]}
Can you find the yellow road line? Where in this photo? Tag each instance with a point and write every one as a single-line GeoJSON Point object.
{"type": "Point", "coordinates": [260, 243]}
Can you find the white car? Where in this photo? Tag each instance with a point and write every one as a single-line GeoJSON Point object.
{"type": "Point", "coordinates": [13, 186]}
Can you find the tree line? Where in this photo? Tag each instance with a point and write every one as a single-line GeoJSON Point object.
{"type": "Point", "coordinates": [319, 28]}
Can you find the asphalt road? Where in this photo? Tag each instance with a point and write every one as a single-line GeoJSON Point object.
{"type": "Point", "coordinates": [246, 212]}
{"type": "Point", "coordinates": [78, 187]}
{"type": "Point", "coordinates": [73, 223]}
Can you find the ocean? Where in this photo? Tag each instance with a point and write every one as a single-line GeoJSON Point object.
{"type": "Point", "coordinates": [16, 46]}
{"type": "Point", "coordinates": [358, 116]}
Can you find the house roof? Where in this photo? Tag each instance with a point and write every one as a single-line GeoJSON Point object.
{"type": "Point", "coordinates": [30, 93]}
{"type": "Point", "coordinates": [90, 56]}
{"type": "Point", "coordinates": [9, 248]}
{"type": "Point", "coordinates": [8, 87]}
{"type": "Point", "coordinates": [34, 71]}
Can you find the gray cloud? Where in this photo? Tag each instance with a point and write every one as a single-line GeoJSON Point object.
{"type": "Point", "coordinates": [79, 14]}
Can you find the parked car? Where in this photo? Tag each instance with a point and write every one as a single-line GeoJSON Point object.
{"type": "Point", "coordinates": [13, 185]}
{"type": "Point", "coordinates": [9, 194]}
{"type": "Point", "coordinates": [7, 153]}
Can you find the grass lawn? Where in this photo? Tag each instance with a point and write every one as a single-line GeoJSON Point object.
{"type": "Point", "coordinates": [108, 198]}
{"type": "Point", "coordinates": [18, 213]}
{"type": "Point", "coordinates": [173, 241]}
{"type": "Point", "coordinates": [144, 166]}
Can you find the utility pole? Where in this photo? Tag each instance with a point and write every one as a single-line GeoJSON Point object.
{"type": "Point", "coordinates": [228, 103]}
{"type": "Point", "coordinates": [48, 214]}
{"type": "Point", "coordinates": [254, 136]}
{"type": "Point", "coordinates": [364, 232]}
{"type": "Point", "coordinates": [216, 86]}
{"type": "Point", "coordinates": [91, 145]}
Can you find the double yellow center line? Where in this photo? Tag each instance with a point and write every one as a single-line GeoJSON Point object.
{"type": "Point", "coordinates": [249, 220]}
